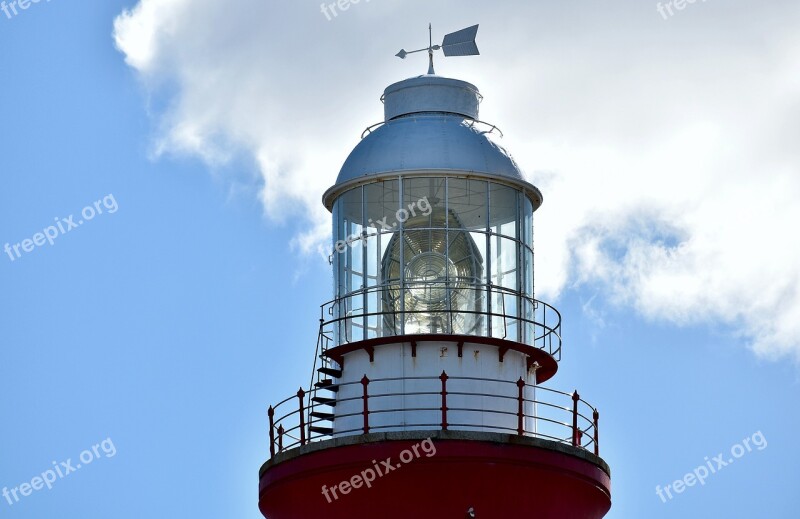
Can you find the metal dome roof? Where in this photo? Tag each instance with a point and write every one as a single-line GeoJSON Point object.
{"type": "Point", "coordinates": [431, 126]}
{"type": "Point", "coordinates": [428, 142]}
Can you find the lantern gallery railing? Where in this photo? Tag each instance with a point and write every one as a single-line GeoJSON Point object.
{"type": "Point", "coordinates": [436, 403]}
{"type": "Point", "coordinates": [453, 307]}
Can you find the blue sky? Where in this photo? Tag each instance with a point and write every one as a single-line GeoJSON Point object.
{"type": "Point", "coordinates": [666, 150]}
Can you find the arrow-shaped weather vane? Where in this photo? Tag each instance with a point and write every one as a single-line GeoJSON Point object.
{"type": "Point", "coordinates": [459, 43]}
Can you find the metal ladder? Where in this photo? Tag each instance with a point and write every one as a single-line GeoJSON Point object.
{"type": "Point", "coordinates": [321, 405]}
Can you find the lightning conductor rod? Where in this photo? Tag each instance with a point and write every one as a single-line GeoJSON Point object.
{"type": "Point", "coordinates": [431, 72]}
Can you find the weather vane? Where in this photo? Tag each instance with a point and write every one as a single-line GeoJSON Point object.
{"type": "Point", "coordinates": [459, 43]}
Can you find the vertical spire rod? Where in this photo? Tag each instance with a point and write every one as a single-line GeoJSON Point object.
{"type": "Point", "coordinates": [430, 50]}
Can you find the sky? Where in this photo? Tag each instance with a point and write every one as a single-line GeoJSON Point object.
{"type": "Point", "coordinates": [165, 160]}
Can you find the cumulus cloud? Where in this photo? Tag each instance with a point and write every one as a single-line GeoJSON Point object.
{"type": "Point", "coordinates": [667, 149]}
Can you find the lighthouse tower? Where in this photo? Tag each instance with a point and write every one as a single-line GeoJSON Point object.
{"type": "Point", "coordinates": [428, 399]}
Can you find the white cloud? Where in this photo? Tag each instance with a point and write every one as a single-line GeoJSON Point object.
{"type": "Point", "coordinates": [667, 150]}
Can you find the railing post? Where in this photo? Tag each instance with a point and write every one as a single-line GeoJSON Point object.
{"type": "Point", "coordinates": [322, 342]}
{"type": "Point", "coordinates": [520, 415]}
{"type": "Point", "coordinates": [596, 433]}
{"type": "Point", "coordinates": [271, 414]}
{"type": "Point", "coordinates": [575, 439]}
{"type": "Point", "coordinates": [300, 395]}
{"type": "Point", "coordinates": [365, 383]}
{"type": "Point", "coordinates": [280, 438]}
{"type": "Point", "coordinates": [443, 377]}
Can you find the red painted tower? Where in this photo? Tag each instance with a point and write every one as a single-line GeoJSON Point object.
{"type": "Point", "coordinates": [428, 400]}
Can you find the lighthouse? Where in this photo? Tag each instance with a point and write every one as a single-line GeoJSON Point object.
{"type": "Point", "coordinates": [428, 397]}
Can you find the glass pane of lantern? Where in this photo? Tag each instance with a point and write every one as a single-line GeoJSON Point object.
{"type": "Point", "coordinates": [420, 197]}
{"type": "Point", "coordinates": [467, 204]}
{"type": "Point", "coordinates": [382, 200]}
{"type": "Point", "coordinates": [503, 210]}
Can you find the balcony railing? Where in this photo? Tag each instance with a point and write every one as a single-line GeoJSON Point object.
{"type": "Point", "coordinates": [493, 311]}
{"type": "Point", "coordinates": [522, 409]}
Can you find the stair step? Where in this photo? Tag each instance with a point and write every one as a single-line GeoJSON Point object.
{"type": "Point", "coordinates": [324, 401]}
{"type": "Point", "coordinates": [328, 431]}
{"type": "Point", "coordinates": [331, 372]}
{"type": "Point", "coordinates": [327, 384]}
{"type": "Point", "coordinates": [322, 416]}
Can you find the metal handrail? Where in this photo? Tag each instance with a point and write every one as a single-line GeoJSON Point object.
{"type": "Point", "coordinates": [570, 416]}
{"type": "Point", "coordinates": [491, 126]}
{"type": "Point", "coordinates": [545, 321]}
{"type": "Point", "coordinates": [371, 127]}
